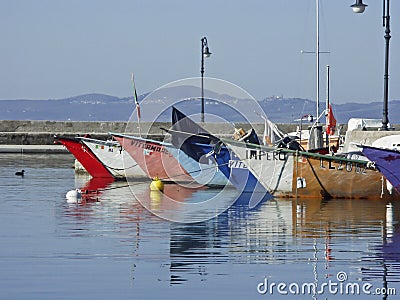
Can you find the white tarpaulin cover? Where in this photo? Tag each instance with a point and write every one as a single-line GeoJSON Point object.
{"type": "Point", "coordinates": [360, 124]}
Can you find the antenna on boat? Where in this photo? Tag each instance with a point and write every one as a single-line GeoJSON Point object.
{"type": "Point", "coordinates": [317, 52]}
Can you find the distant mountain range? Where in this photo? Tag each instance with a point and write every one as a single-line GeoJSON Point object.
{"type": "Point", "coordinates": [100, 107]}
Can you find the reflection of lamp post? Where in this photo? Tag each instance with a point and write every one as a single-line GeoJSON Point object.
{"type": "Point", "coordinates": [359, 7]}
{"type": "Point", "coordinates": [205, 52]}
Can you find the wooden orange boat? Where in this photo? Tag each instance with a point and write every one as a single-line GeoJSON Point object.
{"type": "Point", "coordinates": [291, 173]}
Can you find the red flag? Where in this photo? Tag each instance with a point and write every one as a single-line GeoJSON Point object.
{"type": "Point", "coordinates": [330, 122]}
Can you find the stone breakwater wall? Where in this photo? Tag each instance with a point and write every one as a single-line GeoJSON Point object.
{"type": "Point", "coordinates": [38, 136]}
{"type": "Point", "coordinates": [42, 132]}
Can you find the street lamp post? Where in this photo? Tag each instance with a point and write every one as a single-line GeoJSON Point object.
{"type": "Point", "coordinates": [359, 7]}
{"type": "Point", "coordinates": [205, 52]}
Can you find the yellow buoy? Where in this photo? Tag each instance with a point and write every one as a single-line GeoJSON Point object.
{"type": "Point", "coordinates": [155, 199]}
{"type": "Point", "coordinates": [156, 185]}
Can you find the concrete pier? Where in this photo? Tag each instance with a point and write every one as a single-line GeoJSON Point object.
{"type": "Point", "coordinates": [33, 149]}
{"type": "Point", "coordinates": [42, 132]}
{"type": "Point", "coordinates": [38, 136]}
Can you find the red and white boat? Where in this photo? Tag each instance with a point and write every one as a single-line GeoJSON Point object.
{"type": "Point", "coordinates": [85, 156]}
{"type": "Point", "coordinates": [154, 158]}
{"type": "Point", "coordinates": [110, 153]}
{"type": "Point", "coordinates": [102, 159]}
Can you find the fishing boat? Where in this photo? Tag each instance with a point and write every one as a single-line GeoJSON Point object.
{"type": "Point", "coordinates": [293, 173]}
{"type": "Point", "coordinates": [154, 158]}
{"type": "Point", "coordinates": [114, 158]}
{"type": "Point", "coordinates": [385, 155]}
{"type": "Point", "coordinates": [85, 156]}
{"type": "Point", "coordinates": [204, 172]}
{"type": "Point", "coordinates": [163, 160]}
{"type": "Point", "coordinates": [199, 144]}
{"type": "Point", "coordinates": [387, 161]}
{"type": "Point", "coordinates": [102, 158]}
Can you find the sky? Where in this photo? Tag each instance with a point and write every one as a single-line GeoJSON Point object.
{"type": "Point", "coordinates": [52, 49]}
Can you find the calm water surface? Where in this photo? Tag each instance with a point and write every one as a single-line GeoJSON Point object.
{"type": "Point", "coordinates": [109, 246]}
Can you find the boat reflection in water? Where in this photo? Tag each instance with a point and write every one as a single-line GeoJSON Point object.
{"type": "Point", "coordinates": [328, 236]}
{"type": "Point", "coordinates": [300, 240]}
{"type": "Point", "coordinates": [185, 204]}
{"type": "Point", "coordinates": [93, 189]}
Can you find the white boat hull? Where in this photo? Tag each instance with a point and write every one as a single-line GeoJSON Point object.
{"type": "Point", "coordinates": [113, 157]}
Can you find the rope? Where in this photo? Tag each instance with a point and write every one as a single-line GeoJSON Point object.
{"type": "Point", "coordinates": [118, 169]}
{"type": "Point", "coordinates": [105, 189]}
{"type": "Point", "coordinates": [326, 194]}
{"type": "Point", "coordinates": [297, 174]}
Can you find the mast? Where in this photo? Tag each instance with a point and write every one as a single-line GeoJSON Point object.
{"type": "Point", "coordinates": [317, 56]}
{"type": "Point", "coordinates": [327, 101]}
{"type": "Point", "coordinates": [327, 89]}
{"type": "Point", "coordinates": [317, 52]}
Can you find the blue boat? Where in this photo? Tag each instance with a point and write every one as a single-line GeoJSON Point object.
{"type": "Point", "coordinates": [199, 144]}
{"type": "Point", "coordinates": [203, 173]}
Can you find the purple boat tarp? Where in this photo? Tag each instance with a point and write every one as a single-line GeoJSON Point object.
{"type": "Point", "coordinates": [387, 161]}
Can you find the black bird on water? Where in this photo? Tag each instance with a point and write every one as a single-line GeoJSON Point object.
{"type": "Point", "coordinates": [20, 173]}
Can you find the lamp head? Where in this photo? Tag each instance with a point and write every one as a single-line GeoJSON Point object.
{"type": "Point", "coordinates": [358, 7]}
{"type": "Point", "coordinates": [206, 52]}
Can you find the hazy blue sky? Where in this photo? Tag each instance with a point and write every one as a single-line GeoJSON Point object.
{"type": "Point", "coordinates": [61, 48]}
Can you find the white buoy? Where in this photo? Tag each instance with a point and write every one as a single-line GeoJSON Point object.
{"type": "Point", "coordinates": [74, 196]}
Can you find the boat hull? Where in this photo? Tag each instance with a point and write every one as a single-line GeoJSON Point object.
{"type": "Point", "coordinates": [199, 145]}
{"type": "Point", "coordinates": [387, 161]}
{"type": "Point", "coordinates": [114, 158]}
{"type": "Point", "coordinates": [154, 158]}
{"type": "Point", "coordinates": [203, 173]}
{"type": "Point", "coordinates": [233, 169]}
{"type": "Point", "coordinates": [86, 157]}
{"type": "Point", "coordinates": [347, 179]}
{"type": "Point", "coordinates": [288, 173]}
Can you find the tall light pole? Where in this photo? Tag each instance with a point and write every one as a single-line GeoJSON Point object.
{"type": "Point", "coordinates": [359, 7]}
{"type": "Point", "coordinates": [205, 52]}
